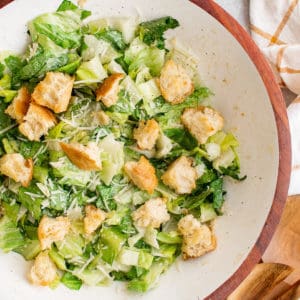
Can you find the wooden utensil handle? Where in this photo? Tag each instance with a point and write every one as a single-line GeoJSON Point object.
{"type": "Point", "coordinates": [4, 2]}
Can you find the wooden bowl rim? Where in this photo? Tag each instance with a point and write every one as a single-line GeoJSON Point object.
{"type": "Point", "coordinates": [284, 170]}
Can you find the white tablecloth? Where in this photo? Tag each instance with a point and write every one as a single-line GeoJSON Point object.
{"type": "Point", "coordinates": [239, 9]}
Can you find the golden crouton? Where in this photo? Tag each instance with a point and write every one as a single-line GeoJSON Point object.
{"type": "Point", "coordinates": [17, 167]}
{"type": "Point", "coordinates": [152, 214]}
{"type": "Point", "coordinates": [19, 106]}
{"type": "Point", "coordinates": [146, 134]}
{"type": "Point", "coordinates": [43, 271]}
{"type": "Point", "coordinates": [52, 230]}
{"type": "Point", "coordinates": [84, 157]}
{"type": "Point", "coordinates": [54, 91]}
{"type": "Point", "coordinates": [37, 122]}
{"type": "Point", "coordinates": [109, 90]}
{"type": "Point", "coordinates": [175, 83]}
{"type": "Point", "coordinates": [197, 239]}
{"type": "Point", "coordinates": [202, 122]}
{"type": "Point", "coordinates": [94, 217]}
{"type": "Point", "coordinates": [142, 173]}
{"type": "Point", "coordinates": [101, 118]}
{"type": "Point", "coordinates": [181, 176]}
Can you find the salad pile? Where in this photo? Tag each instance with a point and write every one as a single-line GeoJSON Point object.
{"type": "Point", "coordinates": [112, 160]}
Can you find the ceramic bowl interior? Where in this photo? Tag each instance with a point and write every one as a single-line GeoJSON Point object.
{"type": "Point", "coordinates": [242, 98]}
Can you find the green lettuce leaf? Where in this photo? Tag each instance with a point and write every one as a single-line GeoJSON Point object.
{"type": "Point", "coordinates": [31, 198]}
{"type": "Point", "coordinates": [6, 122]}
{"type": "Point", "coordinates": [42, 63]}
{"type": "Point", "coordinates": [112, 240]}
{"type": "Point", "coordinates": [148, 280]}
{"type": "Point", "coordinates": [68, 5]}
{"type": "Point", "coordinates": [64, 27]}
{"type": "Point", "coordinates": [70, 281]}
{"type": "Point", "coordinates": [30, 249]}
{"type": "Point", "coordinates": [10, 235]}
{"type": "Point", "coordinates": [152, 32]}
{"type": "Point", "coordinates": [5, 89]}
{"type": "Point", "coordinates": [2, 68]}
{"type": "Point", "coordinates": [151, 58]}
{"type": "Point", "coordinates": [182, 137]}
{"type": "Point", "coordinates": [217, 190]}
{"type": "Point", "coordinates": [112, 158]}
{"type": "Point", "coordinates": [113, 37]}
{"type": "Point", "coordinates": [91, 71]}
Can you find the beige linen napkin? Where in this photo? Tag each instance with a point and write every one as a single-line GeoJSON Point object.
{"type": "Point", "coordinates": [275, 27]}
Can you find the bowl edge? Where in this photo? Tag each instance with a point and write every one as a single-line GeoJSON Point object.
{"type": "Point", "coordinates": [284, 142]}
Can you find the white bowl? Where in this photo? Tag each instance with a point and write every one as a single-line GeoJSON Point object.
{"type": "Point", "coordinates": [246, 103]}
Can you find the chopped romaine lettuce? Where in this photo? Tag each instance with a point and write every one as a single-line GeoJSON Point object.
{"type": "Point", "coordinates": [150, 91]}
{"type": "Point", "coordinates": [2, 68]}
{"type": "Point", "coordinates": [148, 280]}
{"type": "Point", "coordinates": [208, 212]}
{"type": "Point", "coordinates": [70, 281]}
{"type": "Point", "coordinates": [5, 89]}
{"type": "Point", "coordinates": [62, 27]}
{"type": "Point", "coordinates": [171, 237]}
{"type": "Point", "coordinates": [91, 71]}
{"type": "Point", "coordinates": [68, 5]}
{"type": "Point", "coordinates": [98, 47]}
{"type": "Point", "coordinates": [113, 67]}
{"type": "Point", "coordinates": [113, 37]}
{"type": "Point", "coordinates": [57, 259]}
{"type": "Point", "coordinates": [90, 277]}
{"type": "Point", "coordinates": [135, 47]}
{"type": "Point", "coordinates": [130, 87]}
{"type": "Point", "coordinates": [112, 158]}
{"type": "Point", "coordinates": [126, 26]}
{"type": "Point", "coordinates": [10, 235]}
{"type": "Point", "coordinates": [152, 32]}
{"type": "Point", "coordinates": [72, 246]}
{"type": "Point", "coordinates": [112, 240]}
{"type": "Point", "coordinates": [12, 210]}
{"type": "Point", "coordinates": [182, 137]}
{"type": "Point", "coordinates": [151, 58]}
{"type": "Point", "coordinates": [31, 198]}
{"type": "Point", "coordinates": [30, 249]}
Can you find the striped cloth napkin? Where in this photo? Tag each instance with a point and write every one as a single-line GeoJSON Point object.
{"type": "Point", "coordinates": [275, 27]}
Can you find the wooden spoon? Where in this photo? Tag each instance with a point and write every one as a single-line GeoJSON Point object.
{"type": "Point", "coordinates": [279, 276]}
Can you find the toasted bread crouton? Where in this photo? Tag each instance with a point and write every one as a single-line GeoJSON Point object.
{"type": "Point", "coordinates": [146, 134]}
{"type": "Point", "coordinates": [37, 122]}
{"type": "Point", "coordinates": [181, 176]}
{"type": "Point", "coordinates": [175, 83]}
{"type": "Point", "coordinates": [84, 157]}
{"type": "Point", "coordinates": [94, 217]}
{"type": "Point", "coordinates": [197, 239]}
{"type": "Point", "coordinates": [19, 106]}
{"type": "Point", "coordinates": [202, 122]}
{"type": "Point", "coordinates": [109, 90]}
{"type": "Point", "coordinates": [142, 173]}
{"type": "Point", "coordinates": [54, 91]}
{"type": "Point", "coordinates": [101, 118]}
{"type": "Point", "coordinates": [43, 271]}
{"type": "Point", "coordinates": [52, 230]}
{"type": "Point", "coordinates": [17, 167]}
{"type": "Point", "coordinates": [151, 214]}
